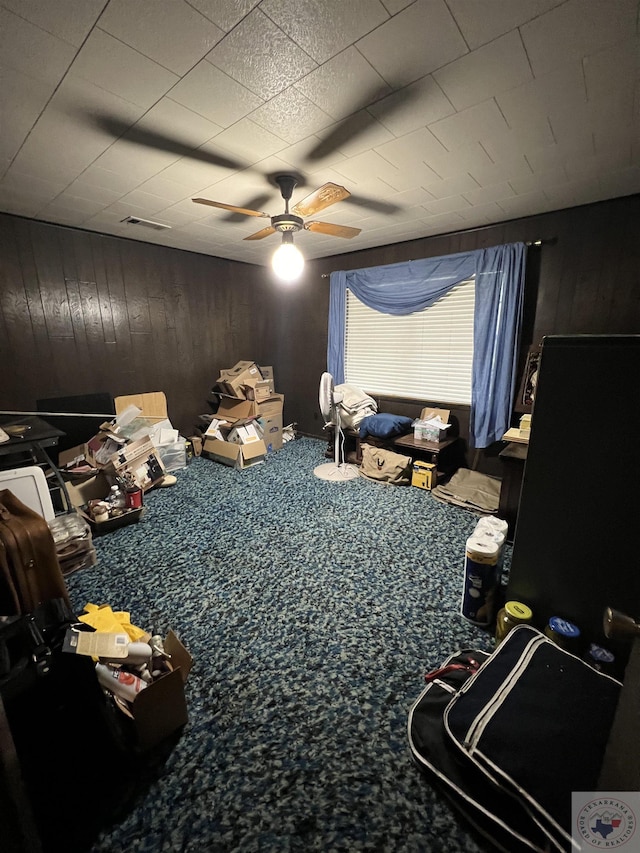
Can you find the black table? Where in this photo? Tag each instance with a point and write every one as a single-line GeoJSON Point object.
{"type": "Point", "coordinates": [29, 438]}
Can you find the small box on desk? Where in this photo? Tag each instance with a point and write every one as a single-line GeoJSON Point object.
{"type": "Point", "coordinates": [424, 475]}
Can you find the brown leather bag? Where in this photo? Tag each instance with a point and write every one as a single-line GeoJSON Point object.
{"type": "Point", "coordinates": [29, 569]}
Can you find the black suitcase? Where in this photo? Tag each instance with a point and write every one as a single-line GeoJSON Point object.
{"type": "Point", "coordinates": [511, 735]}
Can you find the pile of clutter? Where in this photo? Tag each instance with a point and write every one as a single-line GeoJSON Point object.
{"type": "Point", "coordinates": [108, 474]}
{"type": "Point", "coordinates": [247, 422]}
{"type": "Point", "coordinates": [129, 662]}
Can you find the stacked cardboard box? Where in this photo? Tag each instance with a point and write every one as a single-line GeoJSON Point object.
{"type": "Point", "coordinates": [248, 423]}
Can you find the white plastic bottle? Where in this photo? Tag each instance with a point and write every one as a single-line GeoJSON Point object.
{"type": "Point", "coordinates": [124, 684]}
{"type": "Point", "coordinates": [137, 653]}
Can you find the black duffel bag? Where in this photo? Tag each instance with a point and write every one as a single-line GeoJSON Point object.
{"type": "Point", "coordinates": [509, 736]}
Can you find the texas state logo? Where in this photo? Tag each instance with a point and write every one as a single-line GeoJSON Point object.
{"type": "Point", "coordinates": [607, 822]}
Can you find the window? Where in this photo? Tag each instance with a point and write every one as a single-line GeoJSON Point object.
{"type": "Point", "coordinates": [427, 355]}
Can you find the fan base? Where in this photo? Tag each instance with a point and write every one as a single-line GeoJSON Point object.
{"type": "Point", "coordinates": [336, 473]}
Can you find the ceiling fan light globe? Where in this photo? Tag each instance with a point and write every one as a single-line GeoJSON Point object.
{"type": "Point", "coordinates": [287, 262]}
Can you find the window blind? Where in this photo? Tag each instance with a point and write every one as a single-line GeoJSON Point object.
{"type": "Point", "coordinates": [427, 355]}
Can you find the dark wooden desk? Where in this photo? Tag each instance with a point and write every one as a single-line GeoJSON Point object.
{"type": "Point", "coordinates": [28, 447]}
{"type": "Point", "coordinates": [421, 447]}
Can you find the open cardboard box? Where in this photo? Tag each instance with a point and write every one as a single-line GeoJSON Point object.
{"type": "Point", "coordinates": [428, 413]}
{"type": "Point", "coordinates": [267, 412]}
{"type": "Point", "coordinates": [239, 456]}
{"type": "Point", "coordinates": [161, 708]}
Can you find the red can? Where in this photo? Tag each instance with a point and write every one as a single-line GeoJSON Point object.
{"type": "Point", "coordinates": [134, 498]}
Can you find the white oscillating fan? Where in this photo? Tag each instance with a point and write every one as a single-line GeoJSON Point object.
{"type": "Point", "coordinates": [329, 400]}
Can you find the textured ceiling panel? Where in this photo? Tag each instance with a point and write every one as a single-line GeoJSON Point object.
{"type": "Point", "coordinates": [433, 114]}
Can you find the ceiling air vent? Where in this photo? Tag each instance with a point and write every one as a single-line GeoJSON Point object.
{"type": "Point", "coordinates": [147, 223]}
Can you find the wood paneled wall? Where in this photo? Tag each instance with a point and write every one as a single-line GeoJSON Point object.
{"type": "Point", "coordinates": [83, 313]}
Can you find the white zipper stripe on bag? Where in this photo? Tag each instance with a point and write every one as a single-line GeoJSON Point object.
{"type": "Point", "coordinates": [478, 726]}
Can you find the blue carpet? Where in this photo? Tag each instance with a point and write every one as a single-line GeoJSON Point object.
{"type": "Point", "coordinates": [313, 610]}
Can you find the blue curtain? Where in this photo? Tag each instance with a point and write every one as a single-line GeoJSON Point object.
{"type": "Point", "coordinates": [411, 286]}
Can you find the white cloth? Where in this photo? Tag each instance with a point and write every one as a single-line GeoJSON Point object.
{"type": "Point", "coordinates": [354, 406]}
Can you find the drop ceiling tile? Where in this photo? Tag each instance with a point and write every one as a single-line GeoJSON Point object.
{"type": "Point", "coordinates": [481, 214]}
{"type": "Point", "coordinates": [522, 205]}
{"type": "Point", "coordinates": [417, 105]}
{"type": "Point", "coordinates": [324, 29]}
{"type": "Point", "coordinates": [81, 189]}
{"type": "Point", "coordinates": [471, 125]}
{"type": "Point", "coordinates": [297, 155]}
{"type": "Point", "coordinates": [105, 179]}
{"type": "Point", "coordinates": [65, 203]}
{"type": "Point", "coordinates": [480, 23]}
{"type": "Point", "coordinates": [112, 65]}
{"type": "Point", "coordinates": [446, 205]}
{"type": "Point", "coordinates": [561, 92]}
{"type": "Point", "coordinates": [395, 6]}
{"type": "Point", "coordinates": [26, 48]}
{"type": "Point", "coordinates": [172, 34]}
{"type": "Point", "coordinates": [527, 184]}
{"type": "Point", "coordinates": [418, 146]}
{"type": "Point", "coordinates": [507, 168]}
{"type": "Point", "coordinates": [576, 28]}
{"type": "Point", "coordinates": [23, 98]}
{"type": "Point", "coordinates": [144, 201]}
{"type": "Point", "coordinates": [270, 60]}
{"type": "Point", "coordinates": [494, 192]}
{"type": "Point", "coordinates": [211, 93]}
{"type": "Point", "coordinates": [356, 134]}
{"type": "Point", "coordinates": [412, 197]}
{"type": "Point", "coordinates": [462, 183]}
{"type": "Point", "coordinates": [335, 87]}
{"type": "Point", "coordinates": [449, 164]}
{"type": "Point", "coordinates": [191, 173]}
{"type": "Point", "coordinates": [169, 191]}
{"type": "Point", "coordinates": [291, 116]}
{"type": "Point", "coordinates": [84, 106]}
{"type": "Point", "coordinates": [177, 123]}
{"type": "Point", "coordinates": [131, 160]}
{"type": "Point", "coordinates": [69, 20]}
{"type": "Point", "coordinates": [623, 182]}
{"type": "Point", "coordinates": [224, 13]}
{"type": "Point", "coordinates": [613, 69]}
{"type": "Point", "coordinates": [248, 141]}
{"type": "Point", "coordinates": [399, 56]}
{"type": "Point", "coordinates": [499, 143]}
{"type": "Point", "coordinates": [497, 67]}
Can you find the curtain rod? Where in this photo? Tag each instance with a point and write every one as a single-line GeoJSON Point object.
{"type": "Point", "coordinates": [536, 243]}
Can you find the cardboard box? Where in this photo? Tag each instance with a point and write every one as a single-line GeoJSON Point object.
{"type": "Point", "coordinates": [525, 426]}
{"type": "Point", "coordinates": [243, 432]}
{"type": "Point", "coordinates": [424, 475]}
{"type": "Point", "coordinates": [153, 405]}
{"type": "Point", "coordinates": [431, 433]}
{"type": "Point", "coordinates": [240, 380]}
{"type": "Point", "coordinates": [239, 456]}
{"type": "Point", "coordinates": [138, 462]}
{"type": "Point", "coordinates": [271, 432]}
{"type": "Point", "coordinates": [161, 708]}
{"type": "Point", "coordinates": [267, 375]}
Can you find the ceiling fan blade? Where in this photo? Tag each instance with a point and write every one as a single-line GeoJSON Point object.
{"type": "Point", "coordinates": [245, 210]}
{"type": "Point", "coordinates": [324, 196]}
{"type": "Point", "coordinates": [332, 230]}
{"type": "Point", "coordinates": [259, 235]}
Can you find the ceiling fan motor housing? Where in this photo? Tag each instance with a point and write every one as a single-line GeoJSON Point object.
{"type": "Point", "coordinates": [287, 222]}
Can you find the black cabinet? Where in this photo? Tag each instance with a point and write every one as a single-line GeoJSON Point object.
{"type": "Point", "coordinates": [576, 546]}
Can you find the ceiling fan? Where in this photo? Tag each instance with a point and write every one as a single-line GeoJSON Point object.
{"type": "Point", "coordinates": [293, 220]}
